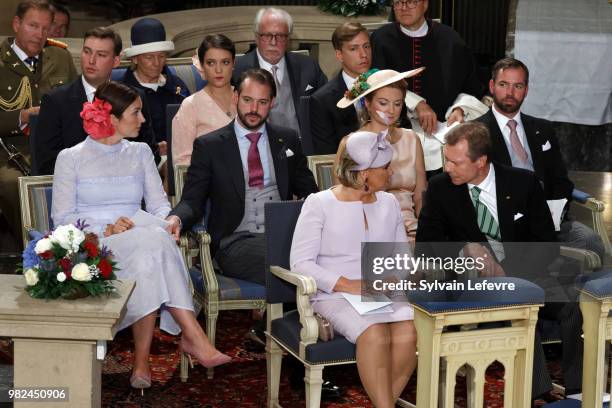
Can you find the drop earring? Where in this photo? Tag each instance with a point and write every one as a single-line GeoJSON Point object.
{"type": "Point", "coordinates": [366, 188]}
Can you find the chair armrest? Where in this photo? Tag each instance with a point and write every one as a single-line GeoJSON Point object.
{"type": "Point", "coordinates": [305, 286]}
{"type": "Point", "coordinates": [597, 208]}
{"type": "Point", "coordinates": [207, 268]}
{"type": "Point", "coordinates": [590, 260]}
{"type": "Point", "coordinates": [586, 200]}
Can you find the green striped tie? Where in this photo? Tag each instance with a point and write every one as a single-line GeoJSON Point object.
{"type": "Point", "coordinates": [486, 222]}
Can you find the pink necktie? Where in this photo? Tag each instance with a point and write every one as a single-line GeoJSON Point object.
{"type": "Point", "coordinates": [516, 144]}
{"type": "Point", "coordinates": [256, 172]}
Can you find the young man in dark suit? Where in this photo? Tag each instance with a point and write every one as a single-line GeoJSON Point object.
{"type": "Point", "coordinates": [295, 75]}
{"type": "Point", "coordinates": [523, 141]}
{"type": "Point", "coordinates": [59, 123]}
{"type": "Point", "coordinates": [328, 123]}
{"type": "Point", "coordinates": [481, 207]}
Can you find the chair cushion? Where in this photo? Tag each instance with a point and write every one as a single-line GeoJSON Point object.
{"type": "Point", "coordinates": [599, 288]}
{"type": "Point", "coordinates": [443, 301]}
{"type": "Point", "coordinates": [229, 288]}
{"type": "Point", "coordinates": [287, 331]}
{"type": "Point", "coordinates": [570, 403]}
{"type": "Point", "coordinates": [580, 195]}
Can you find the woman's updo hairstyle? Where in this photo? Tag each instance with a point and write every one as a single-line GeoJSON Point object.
{"type": "Point", "coordinates": [119, 95]}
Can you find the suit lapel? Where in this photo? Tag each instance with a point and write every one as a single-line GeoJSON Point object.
{"type": "Point", "coordinates": [232, 158]}
{"type": "Point", "coordinates": [505, 212]}
{"type": "Point", "coordinates": [501, 153]}
{"type": "Point", "coordinates": [348, 115]}
{"type": "Point", "coordinates": [294, 74]}
{"type": "Point", "coordinates": [279, 158]}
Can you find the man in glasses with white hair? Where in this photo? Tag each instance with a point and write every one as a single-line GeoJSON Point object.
{"type": "Point", "coordinates": [295, 75]}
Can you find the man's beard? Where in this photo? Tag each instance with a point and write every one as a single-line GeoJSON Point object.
{"type": "Point", "coordinates": [243, 120]}
{"type": "Point", "coordinates": [511, 106]}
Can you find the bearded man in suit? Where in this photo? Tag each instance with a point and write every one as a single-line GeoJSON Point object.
{"type": "Point", "coordinates": [527, 142]}
{"type": "Point", "coordinates": [239, 168]}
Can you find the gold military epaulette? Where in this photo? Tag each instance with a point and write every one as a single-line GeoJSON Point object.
{"type": "Point", "coordinates": [57, 43]}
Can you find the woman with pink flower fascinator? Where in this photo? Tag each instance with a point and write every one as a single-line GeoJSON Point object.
{"type": "Point", "coordinates": [104, 180]}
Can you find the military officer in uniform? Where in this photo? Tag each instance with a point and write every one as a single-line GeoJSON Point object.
{"type": "Point", "coordinates": [30, 65]}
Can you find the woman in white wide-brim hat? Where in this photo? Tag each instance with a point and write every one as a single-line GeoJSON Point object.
{"type": "Point", "coordinates": [378, 96]}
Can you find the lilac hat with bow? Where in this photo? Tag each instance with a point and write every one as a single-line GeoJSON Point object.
{"type": "Point", "coordinates": [369, 150]}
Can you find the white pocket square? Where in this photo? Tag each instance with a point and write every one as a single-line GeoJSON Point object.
{"type": "Point", "coordinates": [308, 87]}
{"type": "Point", "coordinates": [546, 146]}
{"type": "Point", "coordinates": [517, 216]}
{"type": "Point", "coordinates": [289, 152]}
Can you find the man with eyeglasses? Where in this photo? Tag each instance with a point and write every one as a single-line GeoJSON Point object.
{"type": "Point", "coordinates": [449, 85]}
{"type": "Point", "coordinates": [295, 75]}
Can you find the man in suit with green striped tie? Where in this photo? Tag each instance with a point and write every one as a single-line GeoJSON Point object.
{"type": "Point", "coordinates": [499, 213]}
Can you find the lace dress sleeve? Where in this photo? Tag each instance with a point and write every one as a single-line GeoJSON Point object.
{"type": "Point", "coordinates": [154, 195]}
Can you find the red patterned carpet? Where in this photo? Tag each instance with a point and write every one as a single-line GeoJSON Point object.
{"type": "Point", "coordinates": [241, 383]}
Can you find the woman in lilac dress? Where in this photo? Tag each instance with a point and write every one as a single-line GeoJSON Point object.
{"type": "Point", "coordinates": [327, 246]}
{"type": "Point", "coordinates": [103, 180]}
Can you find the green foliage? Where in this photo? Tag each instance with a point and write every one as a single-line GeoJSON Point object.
{"type": "Point", "coordinates": [353, 8]}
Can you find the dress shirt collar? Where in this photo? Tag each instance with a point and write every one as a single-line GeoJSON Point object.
{"type": "Point", "coordinates": [419, 32]}
{"type": "Point", "coordinates": [89, 89]}
{"type": "Point", "coordinates": [280, 73]}
{"type": "Point", "coordinates": [348, 80]}
{"type": "Point", "coordinates": [241, 131]}
{"type": "Point", "coordinates": [21, 53]}
{"type": "Point", "coordinates": [488, 184]}
{"type": "Point", "coordinates": [502, 120]}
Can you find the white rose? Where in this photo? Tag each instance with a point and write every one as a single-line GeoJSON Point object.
{"type": "Point", "coordinates": [31, 277]}
{"type": "Point", "coordinates": [81, 272]}
{"type": "Point", "coordinates": [61, 277]}
{"type": "Point", "coordinates": [43, 245]}
{"type": "Point", "coordinates": [68, 237]}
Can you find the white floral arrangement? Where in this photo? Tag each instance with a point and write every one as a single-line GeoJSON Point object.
{"type": "Point", "coordinates": [67, 263]}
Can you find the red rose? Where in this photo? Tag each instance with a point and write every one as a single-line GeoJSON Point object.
{"type": "Point", "coordinates": [91, 248]}
{"type": "Point", "coordinates": [106, 269]}
{"type": "Point", "coordinates": [46, 255]}
{"type": "Point", "coordinates": [65, 264]}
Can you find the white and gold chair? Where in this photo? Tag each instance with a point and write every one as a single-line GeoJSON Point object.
{"type": "Point", "coordinates": [322, 168]}
{"type": "Point", "coordinates": [213, 290]}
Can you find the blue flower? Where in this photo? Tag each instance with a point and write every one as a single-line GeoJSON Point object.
{"type": "Point", "coordinates": [30, 259]}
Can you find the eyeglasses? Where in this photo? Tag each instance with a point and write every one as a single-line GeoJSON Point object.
{"type": "Point", "coordinates": [278, 37]}
{"type": "Point", "coordinates": [406, 3]}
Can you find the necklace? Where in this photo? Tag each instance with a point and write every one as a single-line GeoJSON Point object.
{"type": "Point", "coordinates": [219, 104]}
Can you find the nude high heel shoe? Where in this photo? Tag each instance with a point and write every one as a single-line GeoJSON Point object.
{"type": "Point", "coordinates": [140, 383]}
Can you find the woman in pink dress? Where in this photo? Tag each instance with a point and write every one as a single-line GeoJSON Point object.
{"type": "Point", "coordinates": [210, 108]}
{"type": "Point", "coordinates": [384, 98]}
{"type": "Point", "coordinates": [327, 247]}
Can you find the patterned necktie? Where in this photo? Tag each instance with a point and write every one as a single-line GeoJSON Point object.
{"type": "Point", "coordinates": [275, 75]}
{"type": "Point", "coordinates": [256, 172]}
{"type": "Point", "coordinates": [31, 63]}
{"type": "Point", "coordinates": [516, 144]}
{"type": "Point", "coordinates": [486, 222]}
